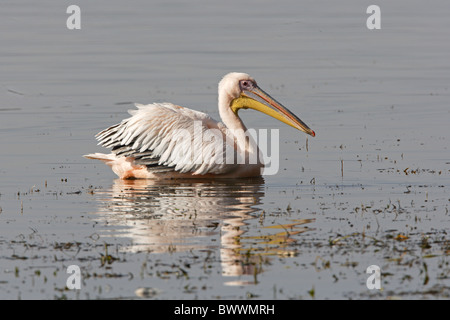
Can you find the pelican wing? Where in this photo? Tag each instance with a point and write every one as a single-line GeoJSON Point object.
{"type": "Point", "coordinates": [166, 138]}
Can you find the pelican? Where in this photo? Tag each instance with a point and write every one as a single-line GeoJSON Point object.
{"type": "Point", "coordinates": [163, 140]}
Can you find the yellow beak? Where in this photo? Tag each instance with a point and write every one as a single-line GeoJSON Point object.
{"type": "Point", "coordinates": [258, 100]}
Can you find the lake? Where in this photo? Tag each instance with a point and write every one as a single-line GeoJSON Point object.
{"type": "Point", "coordinates": [372, 188]}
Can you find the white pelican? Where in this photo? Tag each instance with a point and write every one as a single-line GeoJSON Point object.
{"type": "Point", "coordinates": [163, 140]}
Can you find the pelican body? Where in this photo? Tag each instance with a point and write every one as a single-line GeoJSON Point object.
{"type": "Point", "coordinates": [163, 140]}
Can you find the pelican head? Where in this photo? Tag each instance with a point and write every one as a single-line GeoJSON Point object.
{"type": "Point", "coordinates": [242, 92]}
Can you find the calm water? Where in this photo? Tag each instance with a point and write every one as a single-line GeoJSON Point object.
{"type": "Point", "coordinates": [372, 188]}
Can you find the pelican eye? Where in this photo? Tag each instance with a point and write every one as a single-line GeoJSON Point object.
{"type": "Point", "coordinates": [246, 84]}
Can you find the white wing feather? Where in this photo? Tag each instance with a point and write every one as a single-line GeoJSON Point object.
{"type": "Point", "coordinates": [166, 137]}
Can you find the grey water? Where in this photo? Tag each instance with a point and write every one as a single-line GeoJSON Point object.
{"type": "Point", "coordinates": [370, 189]}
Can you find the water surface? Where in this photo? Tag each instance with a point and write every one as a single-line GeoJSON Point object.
{"type": "Point", "coordinates": [370, 189]}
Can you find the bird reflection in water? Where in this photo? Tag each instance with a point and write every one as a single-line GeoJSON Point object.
{"type": "Point", "coordinates": [183, 215]}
